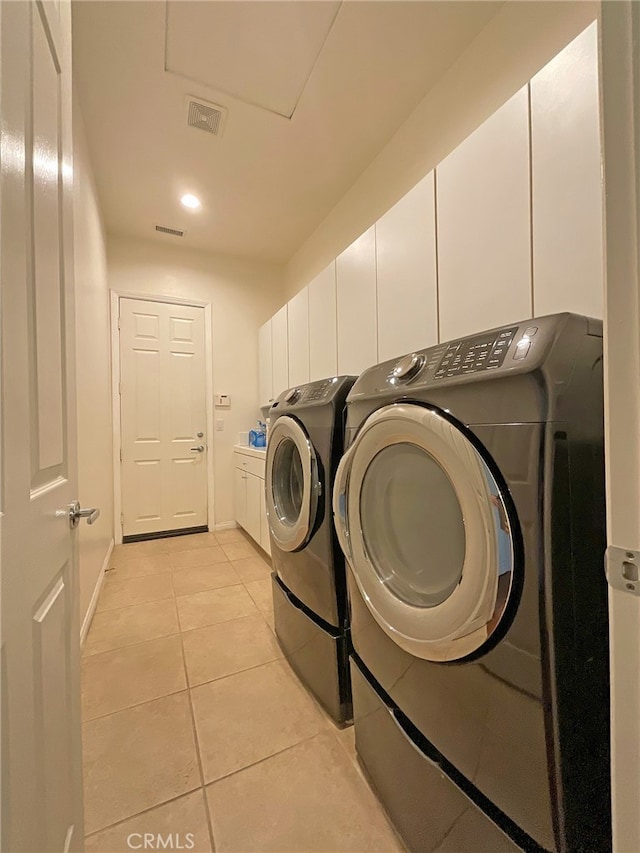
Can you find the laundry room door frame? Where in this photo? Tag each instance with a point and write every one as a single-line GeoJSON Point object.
{"type": "Point", "coordinates": [116, 296]}
{"type": "Point", "coordinates": [620, 129]}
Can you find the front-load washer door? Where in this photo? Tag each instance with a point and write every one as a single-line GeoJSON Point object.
{"type": "Point", "coordinates": [292, 484]}
{"type": "Point", "coordinates": [427, 531]}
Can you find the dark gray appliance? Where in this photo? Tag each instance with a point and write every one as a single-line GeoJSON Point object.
{"type": "Point", "coordinates": [306, 433]}
{"type": "Point", "coordinates": [470, 506]}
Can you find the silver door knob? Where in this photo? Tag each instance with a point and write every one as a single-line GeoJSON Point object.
{"type": "Point", "coordinates": [198, 449]}
{"type": "Point", "coordinates": [76, 513]}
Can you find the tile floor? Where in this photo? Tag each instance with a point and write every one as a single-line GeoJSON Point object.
{"type": "Point", "coordinates": [195, 728]}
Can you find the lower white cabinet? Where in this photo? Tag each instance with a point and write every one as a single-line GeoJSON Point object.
{"type": "Point", "coordinates": [254, 487]}
{"type": "Point", "coordinates": [248, 495]}
{"type": "Point", "coordinates": [265, 541]}
{"type": "Point", "coordinates": [240, 497]}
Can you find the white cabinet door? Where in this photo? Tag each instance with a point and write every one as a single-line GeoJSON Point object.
{"type": "Point", "coordinates": [252, 525]}
{"type": "Point", "coordinates": [240, 496]}
{"type": "Point", "coordinates": [567, 182]}
{"type": "Point", "coordinates": [323, 346]}
{"type": "Point", "coordinates": [280, 350]}
{"type": "Point", "coordinates": [356, 305]}
{"type": "Point", "coordinates": [406, 273]}
{"type": "Point", "coordinates": [298, 326]}
{"type": "Point", "coordinates": [483, 211]}
{"type": "Point", "coordinates": [265, 541]}
{"type": "Point", "coordinates": [265, 364]}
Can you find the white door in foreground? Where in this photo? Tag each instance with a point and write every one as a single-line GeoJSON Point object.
{"type": "Point", "coordinates": [41, 753]}
{"type": "Point", "coordinates": [163, 417]}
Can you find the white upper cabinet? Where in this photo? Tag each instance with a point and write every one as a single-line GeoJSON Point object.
{"type": "Point", "coordinates": [265, 364]}
{"type": "Point", "coordinates": [323, 345]}
{"type": "Point", "coordinates": [356, 305]}
{"type": "Point", "coordinates": [483, 210]}
{"type": "Point", "coordinates": [298, 324]}
{"type": "Point", "coordinates": [567, 184]}
{"type": "Point", "coordinates": [280, 350]}
{"type": "Point", "coordinates": [406, 271]}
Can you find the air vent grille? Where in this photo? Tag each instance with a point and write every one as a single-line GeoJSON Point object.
{"type": "Point", "coordinates": [164, 230]}
{"type": "Point", "coordinates": [205, 116]}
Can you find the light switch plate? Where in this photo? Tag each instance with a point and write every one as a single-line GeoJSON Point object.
{"type": "Point", "coordinates": [222, 401]}
{"type": "Point", "coordinates": [219, 424]}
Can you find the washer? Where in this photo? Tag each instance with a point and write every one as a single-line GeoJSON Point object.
{"type": "Point", "coordinates": [470, 506]}
{"type": "Point", "coordinates": [305, 444]}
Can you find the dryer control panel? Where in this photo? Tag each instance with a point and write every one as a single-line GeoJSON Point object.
{"type": "Point", "coordinates": [506, 348]}
{"type": "Point", "coordinates": [319, 393]}
{"type": "Point", "coordinates": [316, 391]}
{"type": "Point", "coordinates": [484, 352]}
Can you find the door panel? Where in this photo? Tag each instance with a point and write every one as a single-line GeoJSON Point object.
{"type": "Point", "coordinates": [323, 330]}
{"type": "Point", "coordinates": [280, 351]}
{"type": "Point", "coordinates": [254, 486]}
{"type": "Point", "coordinates": [406, 273]}
{"type": "Point", "coordinates": [42, 785]}
{"type": "Point", "coordinates": [566, 181]}
{"type": "Point", "coordinates": [240, 496]}
{"type": "Point", "coordinates": [484, 225]}
{"type": "Point", "coordinates": [298, 335]}
{"type": "Point", "coordinates": [163, 408]}
{"type": "Point", "coordinates": [357, 326]}
{"type": "Point", "coordinates": [265, 365]}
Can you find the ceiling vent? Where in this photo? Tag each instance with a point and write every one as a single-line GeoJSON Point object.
{"type": "Point", "coordinates": [164, 230]}
{"type": "Point", "coordinates": [205, 116]}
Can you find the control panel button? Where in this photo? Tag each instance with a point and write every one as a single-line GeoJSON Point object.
{"type": "Point", "coordinates": [530, 331]}
{"type": "Point", "coordinates": [522, 348]}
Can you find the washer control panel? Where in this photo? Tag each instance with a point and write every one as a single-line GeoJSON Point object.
{"type": "Point", "coordinates": [318, 391]}
{"type": "Point", "coordinates": [488, 351]}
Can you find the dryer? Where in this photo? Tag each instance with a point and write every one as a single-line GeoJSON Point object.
{"type": "Point", "coordinates": [306, 433]}
{"type": "Point", "coordinates": [470, 507]}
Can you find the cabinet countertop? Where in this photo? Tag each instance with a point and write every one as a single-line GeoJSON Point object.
{"type": "Point", "coordinates": [258, 452]}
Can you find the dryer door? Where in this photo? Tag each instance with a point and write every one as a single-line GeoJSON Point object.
{"type": "Point", "coordinates": [427, 532]}
{"type": "Point", "coordinates": [292, 486]}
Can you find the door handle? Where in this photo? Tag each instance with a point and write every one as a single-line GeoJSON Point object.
{"type": "Point", "coordinates": [75, 513]}
{"type": "Point", "coordinates": [198, 449]}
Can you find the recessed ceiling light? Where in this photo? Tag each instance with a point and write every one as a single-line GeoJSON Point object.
{"type": "Point", "coordinates": [190, 201]}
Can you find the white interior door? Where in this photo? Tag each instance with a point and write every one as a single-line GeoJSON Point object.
{"type": "Point", "coordinates": [163, 417]}
{"type": "Point", "coordinates": [41, 753]}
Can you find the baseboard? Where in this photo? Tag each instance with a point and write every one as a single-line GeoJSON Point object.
{"type": "Point", "coordinates": [91, 609]}
{"type": "Point", "coordinates": [225, 525]}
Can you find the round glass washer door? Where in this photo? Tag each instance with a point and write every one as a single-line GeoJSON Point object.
{"type": "Point", "coordinates": [292, 484]}
{"type": "Point", "coordinates": [426, 531]}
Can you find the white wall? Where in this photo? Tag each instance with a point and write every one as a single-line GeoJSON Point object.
{"type": "Point", "coordinates": [513, 46]}
{"type": "Point", "coordinates": [95, 473]}
{"type": "Point", "coordinates": [243, 294]}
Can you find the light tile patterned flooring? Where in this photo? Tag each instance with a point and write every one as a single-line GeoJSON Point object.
{"type": "Point", "coordinates": [195, 728]}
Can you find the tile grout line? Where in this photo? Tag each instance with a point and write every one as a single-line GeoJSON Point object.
{"type": "Point", "coordinates": [137, 704]}
{"type": "Point", "coordinates": [196, 740]}
{"type": "Point", "coordinates": [143, 812]}
{"type": "Point", "coordinates": [265, 758]}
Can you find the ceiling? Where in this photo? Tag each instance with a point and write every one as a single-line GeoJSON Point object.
{"type": "Point", "coordinates": [311, 91]}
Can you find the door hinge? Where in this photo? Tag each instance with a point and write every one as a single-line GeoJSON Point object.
{"type": "Point", "coordinates": [622, 566]}
{"type": "Point", "coordinates": [121, 454]}
{"type": "Point", "coordinates": [120, 388]}
{"type": "Point", "coordinates": [119, 326]}
{"type": "Point", "coordinates": [121, 519]}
